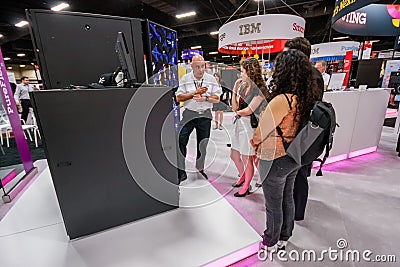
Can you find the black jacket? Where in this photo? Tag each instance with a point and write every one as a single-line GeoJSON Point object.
{"type": "Point", "coordinates": [320, 80]}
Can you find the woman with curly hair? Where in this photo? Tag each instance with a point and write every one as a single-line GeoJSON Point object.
{"type": "Point", "coordinates": [291, 99]}
{"type": "Point", "coordinates": [247, 100]}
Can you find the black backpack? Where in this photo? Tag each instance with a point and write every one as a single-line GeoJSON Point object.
{"type": "Point", "coordinates": [315, 136]}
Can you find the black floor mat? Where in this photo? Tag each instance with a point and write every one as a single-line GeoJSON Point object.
{"type": "Point", "coordinates": [12, 157]}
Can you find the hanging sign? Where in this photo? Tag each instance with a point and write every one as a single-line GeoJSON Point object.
{"type": "Point", "coordinates": [370, 20]}
{"type": "Point", "coordinates": [344, 7]}
{"type": "Point", "coordinates": [334, 49]}
{"type": "Point", "coordinates": [259, 34]}
{"type": "Point", "coordinates": [275, 46]}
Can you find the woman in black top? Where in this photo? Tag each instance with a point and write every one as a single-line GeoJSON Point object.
{"type": "Point", "coordinates": [222, 105]}
{"type": "Point", "coordinates": [247, 102]}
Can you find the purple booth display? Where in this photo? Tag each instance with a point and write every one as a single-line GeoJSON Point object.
{"type": "Point", "coordinates": [23, 149]}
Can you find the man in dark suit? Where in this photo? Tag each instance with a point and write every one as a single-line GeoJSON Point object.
{"type": "Point", "coordinates": [300, 193]}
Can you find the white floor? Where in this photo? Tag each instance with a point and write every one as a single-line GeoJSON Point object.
{"type": "Point", "coordinates": [357, 199]}
{"type": "Point", "coordinates": [32, 234]}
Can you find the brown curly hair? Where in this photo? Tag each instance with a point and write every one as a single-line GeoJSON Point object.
{"type": "Point", "coordinates": [253, 70]}
{"type": "Point", "coordinates": [293, 74]}
{"type": "Point", "coordinates": [299, 43]}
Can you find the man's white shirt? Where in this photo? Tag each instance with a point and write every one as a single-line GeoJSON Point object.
{"type": "Point", "coordinates": [326, 78]}
{"type": "Point", "coordinates": [188, 83]}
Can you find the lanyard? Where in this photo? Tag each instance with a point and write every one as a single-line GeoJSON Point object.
{"type": "Point", "coordinates": [196, 84]}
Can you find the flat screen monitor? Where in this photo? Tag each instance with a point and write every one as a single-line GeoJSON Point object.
{"type": "Point", "coordinates": [336, 81]}
{"type": "Point", "coordinates": [394, 80]}
{"type": "Point", "coordinates": [162, 48]}
{"type": "Point", "coordinates": [77, 48]}
{"type": "Point", "coordinates": [368, 72]}
{"type": "Point", "coordinates": [125, 60]}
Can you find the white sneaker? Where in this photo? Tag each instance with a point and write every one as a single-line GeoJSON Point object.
{"type": "Point", "coordinates": [264, 251]}
{"type": "Point", "coordinates": [281, 245]}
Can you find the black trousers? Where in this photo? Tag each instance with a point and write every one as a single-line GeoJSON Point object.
{"type": "Point", "coordinates": [202, 123]}
{"type": "Point", "coordinates": [300, 192]}
{"type": "Point", "coordinates": [26, 104]}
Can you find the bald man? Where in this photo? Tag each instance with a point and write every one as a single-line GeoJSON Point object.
{"type": "Point", "coordinates": [198, 91]}
{"type": "Point", "coordinates": [321, 67]}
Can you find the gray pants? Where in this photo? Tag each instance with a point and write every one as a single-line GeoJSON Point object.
{"type": "Point", "coordinates": [278, 183]}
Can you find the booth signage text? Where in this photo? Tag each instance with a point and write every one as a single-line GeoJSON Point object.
{"type": "Point", "coordinates": [5, 94]}
{"type": "Point", "coordinates": [298, 28]}
{"type": "Point", "coordinates": [355, 18]}
{"type": "Point", "coordinates": [249, 28]}
{"type": "Point", "coordinates": [314, 51]}
{"type": "Point", "coordinates": [344, 7]}
{"type": "Point", "coordinates": [334, 49]}
{"type": "Point", "coordinates": [8, 100]}
{"type": "Point", "coordinates": [189, 53]}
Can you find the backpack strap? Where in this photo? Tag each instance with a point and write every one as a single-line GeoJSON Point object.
{"type": "Point", "coordinates": [319, 172]}
{"type": "Point", "coordinates": [278, 129]}
{"type": "Point", "coordinates": [289, 102]}
{"type": "Point", "coordinates": [280, 133]}
{"type": "Point", "coordinates": [329, 141]}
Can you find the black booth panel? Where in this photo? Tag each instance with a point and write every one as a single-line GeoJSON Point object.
{"type": "Point", "coordinates": [76, 48]}
{"type": "Point", "coordinates": [82, 132]}
{"type": "Point", "coordinates": [368, 72]}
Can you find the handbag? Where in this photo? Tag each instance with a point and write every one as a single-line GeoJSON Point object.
{"type": "Point", "coordinates": [253, 120]}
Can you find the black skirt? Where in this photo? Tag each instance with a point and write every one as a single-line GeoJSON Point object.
{"type": "Point", "coordinates": [220, 106]}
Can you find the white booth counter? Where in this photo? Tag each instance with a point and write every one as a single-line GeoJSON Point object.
{"type": "Point", "coordinates": [360, 115]}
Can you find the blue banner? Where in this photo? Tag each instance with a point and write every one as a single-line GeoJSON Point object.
{"type": "Point", "coordinates": [189, 53]}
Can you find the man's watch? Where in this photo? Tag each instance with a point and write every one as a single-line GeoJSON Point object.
{"type": "Point", "coordinates": [206, 98]}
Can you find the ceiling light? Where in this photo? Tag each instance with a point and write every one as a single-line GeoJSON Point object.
{"type": "Point", "coordinates": [1, 36]}
{"type": "Point", "coordinates": [226, 56]}
{"type": "Point", "coordinates": [9, 68]}
{"type": "Point", "coordinates": [341, 38]}
{"type": "Point", "coordinates": [214, 33]}
{"type": "Point", "coordinates": [22, 66]}
{"type": "Point", "coordinates": [213, 53]}
{"type": "Point", "coordinates": [375, 41]}
{"type": "Point", "coordinates": [60, 7]}
{"type": "Point", "coordinates": [196, 47]}
{"type": "Point", "coordinates": [22, 23]}
{"type": "Point", "coordinates": [185, 15]}
{"type": "Point", "coordinates": [20, 55]}
{"type": "Point", "coordinates": [7, 58]}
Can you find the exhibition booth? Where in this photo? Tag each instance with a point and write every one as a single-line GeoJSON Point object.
{"type": "Point", "coordinates": [111, 156]}
{"type": "Point", "coordinates": [110, 184]}
{"type": "Point", "coordinates": [360, 122]}
{"type": "Point", "coordinates": [333, 51]}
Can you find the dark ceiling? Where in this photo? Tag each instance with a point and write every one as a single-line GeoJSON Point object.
{"type": "Point", "coordinates": [211, 14]}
